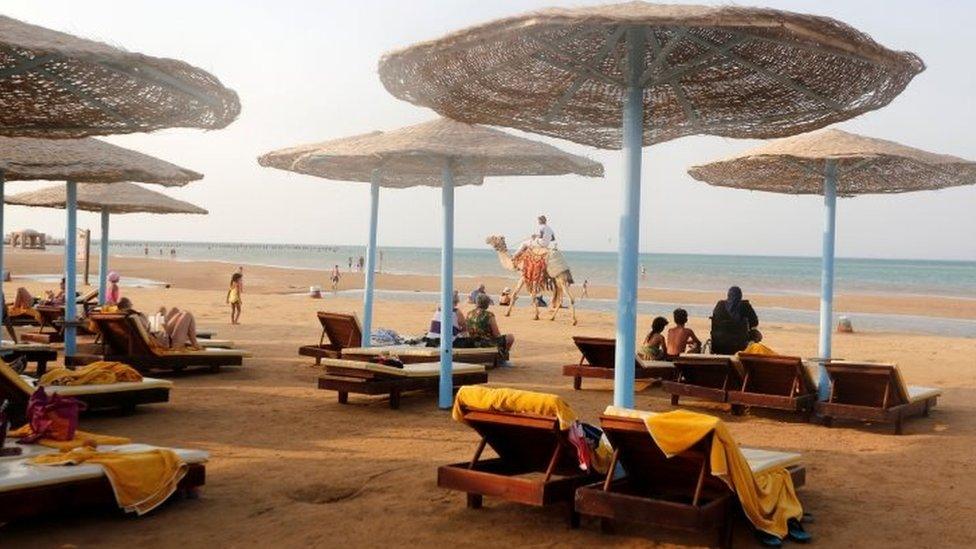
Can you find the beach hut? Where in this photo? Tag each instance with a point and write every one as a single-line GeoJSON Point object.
{"type": "Point", "coordinates": [635, 74]}
{"type": "Point", "coordinates": [107, 199]}
{"type": "Point", "coordinates": [88, 160]}
{"type": "Point", "coordinates": [55, 85]}
{"type": "Point", "coordinates": [439, 153]}
{"type": "Point", "coordinates": [835, 163]}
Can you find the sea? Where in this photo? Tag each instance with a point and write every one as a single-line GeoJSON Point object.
{"type": "Point", "coordinates": [714, 273]}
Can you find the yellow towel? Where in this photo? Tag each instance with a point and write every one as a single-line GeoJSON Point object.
{"type": "Point", "coordinates": [96, 373]}
{"type": "Point", "coordinates": [768, 499]}
{"type": "Point", "coordinates": [24, 311]}
{"type": "Point", "coordinates": [512, 401]}
{"type": "Point", "coordinates": [756, 348]}
{"type": "Point", "coordinates": [82, 438]}
{"type": "Point", "coordinates": [141, 480]}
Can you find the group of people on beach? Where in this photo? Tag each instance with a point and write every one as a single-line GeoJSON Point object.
{"type": "Point", "coordinates": [476, 328]}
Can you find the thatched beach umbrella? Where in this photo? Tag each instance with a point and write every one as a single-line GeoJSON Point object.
{"type": "Point", "coordinates": [636, 74]}
{"type": "Point", "coordinates": [106, 199]}
{"type": "Point", "coordinates": [835, 163]}
{"type": "Point", "coordinates": [440, 153]}
{"type": "Point", "coordinates": [88, 160]}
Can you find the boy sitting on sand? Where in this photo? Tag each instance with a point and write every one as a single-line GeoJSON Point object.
{"type": "Point", "coordinates": [681, 339]}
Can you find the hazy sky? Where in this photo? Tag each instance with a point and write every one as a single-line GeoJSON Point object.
{"type": "Point", "coordinates": [306, 71]}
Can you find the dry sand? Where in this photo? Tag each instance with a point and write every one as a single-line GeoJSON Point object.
{"type": "Point", "coordinates": [290, 467]}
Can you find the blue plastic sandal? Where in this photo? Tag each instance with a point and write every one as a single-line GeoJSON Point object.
{"type": "Point", "coordinates": [796, 531]}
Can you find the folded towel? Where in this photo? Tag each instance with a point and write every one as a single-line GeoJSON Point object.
{"type": "Point", "coordinates": [24, 311]}
{"type": "Point", "coordinates": [756, 348]}
{"type": "Point", "coordinates": [96, 373]}
{"type": "Point", "coordinates": [141, 480]}
{"type": "Point", "coordinates": [82, 438]}
{"type": "Point", "coordinates": [514, 401]}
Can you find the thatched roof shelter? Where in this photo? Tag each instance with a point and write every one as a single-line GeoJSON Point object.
{"type": "Point", "coordinates": [719, 70]}
{"type": "Point", "coordinates": [116, 198]}
{"type": "Point", "coordinates": [57, 85]}
{"type": "Point", "coordinates": [864, 165]}
{"type": "Point", "coordinates": [415, 155]}
{"type": "Point", "coordinates": [89, 160]}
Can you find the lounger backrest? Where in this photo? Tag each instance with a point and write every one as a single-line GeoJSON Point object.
{"type": "Point", "coordinates": [342, 329]}
{"type": "Point", "coordinates": [707, 371]}
{"type": "Point", "coordinates": [648, 469]}
{"type": "Point", "coordinates": [16, 390]}
{"type": "Point", "coordinates": [775, 375]}
{"type": "Point", "coordinates": [524, 442]}
{"type": "Point", "coordinates": [599, 352]}
{"type": "Point", "coordinates": [122, 334]}
{"type": "Point", "coordinates": [866, 384]}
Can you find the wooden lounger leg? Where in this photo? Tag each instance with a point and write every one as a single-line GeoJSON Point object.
{"type": "Point", "coordinates": [898, 424]}
{"type": "Point", "coordinates": [578, 383]}
{"type": "Point", "coordinates": [674, 400]}
{"type": "Point", "coordinates": [606, 526]}
{"type": "Point", "coordinates": [828, 421]}
{"type": "Point", "coordinates": [343, 397]}
{"type": "Point", "coordinates": [475, 501]}
{"type": "Point", "coordinates": [928, 406]}
{"type": "Point", "coordinates": [395, 399]}
{"type": "Point", "coordinates": [574, 517]}
{"type": "Point", "coordinates": [726, 530]}
{"type": "Point", "coordinates": [42, 369]}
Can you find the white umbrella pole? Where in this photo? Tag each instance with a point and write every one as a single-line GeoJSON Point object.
{"type": "Point", "coordinates": [827, 274]}
{"type": "Point", "coordinates": [633, 134]}
{"type": "Point", "coordinates": [103, 259]}
{"type": "Point", "coordinates": [446, 388]}
{"type": "Point", "coordinates": [374, 201]}
{"type": "Point", "coordinates": [70, 263]}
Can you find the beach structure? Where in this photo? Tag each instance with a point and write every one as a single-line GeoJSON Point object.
{"type": "Point", "coordinates": [88, 160]}
{"type": "Point", "coordinates": [106, 199]}
{"type": "Point", "coordinates": [439, 153]}
{"type": "Point", "coordinates": [835, 163]}
{"type": "Point", "coordinates": [630, 75]}
{"type": "Point", "coordinates": [28, 239]}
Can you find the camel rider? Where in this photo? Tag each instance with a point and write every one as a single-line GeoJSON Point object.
{"type": "Point", "coordinates": [544, 237]}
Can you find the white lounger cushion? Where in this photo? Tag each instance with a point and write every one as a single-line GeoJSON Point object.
{"type": "Point", "coordinates": [917, 392]}
{"type": "Point", "coordinates": [215, 343]}
{"type": "Point", "coordinates": [759, 460]}
{"type": "Point", "coordinates": [423, 369]}
{"type": "Point", "coordinates": [413, 350]}
{"type": "Point", "coordinates": [78, 390]}
{"type": "Point", "coordinates": [11, 346]}
{"type": "Point", "coordinates": [655, 363]}
{"type": "Point", "coordinates": [17, 474]}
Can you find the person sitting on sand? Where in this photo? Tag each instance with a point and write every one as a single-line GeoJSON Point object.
{"type": "Point", "coordinates": [112, 293]}
{"type": "Point", "coordinates": [732, 319]}
{"type": "Point", "coordinates": [681, 339]}
{"type": "Point", "coordinates": [473, 296]}
{"type": "Point", "coordinates": [505, 299]}
{"type": "Point", "coordinates": [483, 328]}
{"type": "Point", "coordinates": [755, 346]}
{"type": "Point", "coordinates": [655, 346]}
{"type": "Point", "coordinates": [178, 330]}
{"type": "Point", "coordinates": [458, 328]}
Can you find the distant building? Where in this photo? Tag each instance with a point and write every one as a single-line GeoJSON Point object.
{"type": "Point", "coordinates": [28, 239]}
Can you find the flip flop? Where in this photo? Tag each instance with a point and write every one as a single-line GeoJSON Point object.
{"type": "Point", "coordinates": [768, 540]}
{"type": "Point", "coordinates": [807, 518]}
{"type": "Point", "coordinates": [796, 532]}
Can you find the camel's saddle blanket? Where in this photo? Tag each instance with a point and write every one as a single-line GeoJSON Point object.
{"type": "Point", "coordinates": [540, 265]}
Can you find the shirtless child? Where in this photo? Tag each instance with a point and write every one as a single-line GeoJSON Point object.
{"type": "Point", "coordinates": [680, 339]}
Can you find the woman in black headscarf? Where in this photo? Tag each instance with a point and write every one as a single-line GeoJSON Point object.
{"type": "Point", "coordinates": [732, 319]}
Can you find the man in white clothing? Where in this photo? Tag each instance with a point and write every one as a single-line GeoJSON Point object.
{"type": "Point", "coordinates": [544, 237]}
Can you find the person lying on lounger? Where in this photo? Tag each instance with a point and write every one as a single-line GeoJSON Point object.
{"type": "Point", "coordinates": [483, 328]}
{"type": "Point", "coordinates": [55, 298]}
{"type": "Point", "coordinates": [177, 331]}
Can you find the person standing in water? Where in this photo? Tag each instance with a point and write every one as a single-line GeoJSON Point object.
{"type": "Point", "coordinates": [335, 278]}
{"type": "Point", "coordinates": [234, 297]}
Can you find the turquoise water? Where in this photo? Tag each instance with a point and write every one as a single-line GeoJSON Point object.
{"type": "Point", "coordinates": [755, 274]}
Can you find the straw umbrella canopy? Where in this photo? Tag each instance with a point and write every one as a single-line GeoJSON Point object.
{"type": "Point", "coordinates": [106, 198]}
{"type": "Point", "coordinates": [629, 75]}
{"type": "Point", "coordinates": [835, 163]}
{"type": "Point", "coordinates": [439, 153]}
{"type": "Point", "coordinates": [89, 160]}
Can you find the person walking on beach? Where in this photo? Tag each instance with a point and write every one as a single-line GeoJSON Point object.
{"type": "Point", "coordinates": [335, 278]}
{"type": "Point", "coordinates": [112, 292]}
{"type": "Point", "coordinates": [350, 264]}
{"type": "Point", "coordinates": [146, 250]}
{"type": "Point", "coordinates": [586, 287]}
{"type": "Point", "coordinates": [234, 297]}
{"type": "Point", "coordinates": [362, 263]}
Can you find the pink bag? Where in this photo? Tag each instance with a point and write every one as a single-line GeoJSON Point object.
{"type": "Point", "coordinates": [54, 417]}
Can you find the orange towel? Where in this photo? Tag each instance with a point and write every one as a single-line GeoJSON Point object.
{"type": "Point", "coordinates": [82, 438]}
{"type": "Point", "coordinates": [96, 373]}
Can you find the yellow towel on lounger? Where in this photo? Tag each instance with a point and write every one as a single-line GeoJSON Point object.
{"type": "Point", "coordinates": [513, 401]}
{"type": "Point", "coordinates": [141, 480]}
{"type": "Point", "coordinates": [96, 373]}
{"type": "Point", "coordinates": [82, 438]}
{"type": "Point", "coordinates": [768, 499]}
{"type": "Point", "coordinates": [756, 348]}
{"type": "Point", "coordinates": [24, 311]}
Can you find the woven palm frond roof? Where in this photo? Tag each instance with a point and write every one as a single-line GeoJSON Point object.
{"type": "Point", "coordinates": [118, 198]}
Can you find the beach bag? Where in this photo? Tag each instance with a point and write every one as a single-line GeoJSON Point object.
{"type": "Point", "coordinates": [54, 417]}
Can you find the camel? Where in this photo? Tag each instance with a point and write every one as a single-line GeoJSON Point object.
{"type": "Point", "coordinates": [559, 282]}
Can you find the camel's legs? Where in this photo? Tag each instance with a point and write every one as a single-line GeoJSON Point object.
{"type": "Point", "coordinates": [572, 302]}
{"type": "Point", "coordinates": [557, 297]}
{"type": "Point", "coordinates": [518, 288]}
{"type": "Point", "coordinates": [535, 300]}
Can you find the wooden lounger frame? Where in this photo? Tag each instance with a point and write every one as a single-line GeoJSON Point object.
{"type": "Point", "coordinates": [868, 392]}
{"type": "Point", "coordinates": [486, 356]}
{"type": "Point", "coordinates": [123, 340]}
{"type": "Point", "coordinates": [51, 317]}
{"type": "Point", "coordinates": [678, 492]}
{"type": "Point", "coordinates": [39, 356]}
{"type": "Point", "coordinates": [775, 382]}
{"type": "Point", "coordinates": [597, 361]}
{"type": "Point", "coordinates": [78, 495]}
{"type": "Point", "coordinates": [365, 382]}
{"type": "Point", "coordinates": [706, 377]}
{"type": "Point", "coordinates": [339, 331]}
{"type": "Point", "coordinates": [525, 444]}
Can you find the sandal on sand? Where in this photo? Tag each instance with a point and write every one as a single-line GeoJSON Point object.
{"type": "Point", "coordinates": [796, 531]}
{"type": "Point", "coordinates": [768, 540]}
{"type": "Point", "coordinates": [807, 518]}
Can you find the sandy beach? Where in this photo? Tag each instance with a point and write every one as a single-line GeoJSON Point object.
{"type": "Point", "coordinates": [290, 467]}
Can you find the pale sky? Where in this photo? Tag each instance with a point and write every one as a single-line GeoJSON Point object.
{"type": "Point", "coordinates": [306, 71]}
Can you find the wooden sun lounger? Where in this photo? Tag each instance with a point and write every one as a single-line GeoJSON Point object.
{"type": "Point", "coordinates": [367, 378]}
{"type": "Point", "coordinates": [417, 354]}
{"type": "Point", "coordinates": [678, 492]}
{"type": "Point", "coordinates": [124, 396]}
{"type": "Point", "coordinates": [37, 353]}
{"type": "Point", "coordinates": [866, 391]}
{"type": "Point", "coordinates": [51, 317]}
{"type": "Point", "coordinates": [28, 491]}
{"type": "Point", "coordinates": [775, 382]}
{"type": "Point", "coordinates": [597, 361]}
{"type": "Point", "coordinates": [706, 377]}
{"type": "Point", "coordinates": [339, 331]}
{"type": "Point", "coordinates": [124, 339]}
{"type": "Point", "coordinates": [536, 463]}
